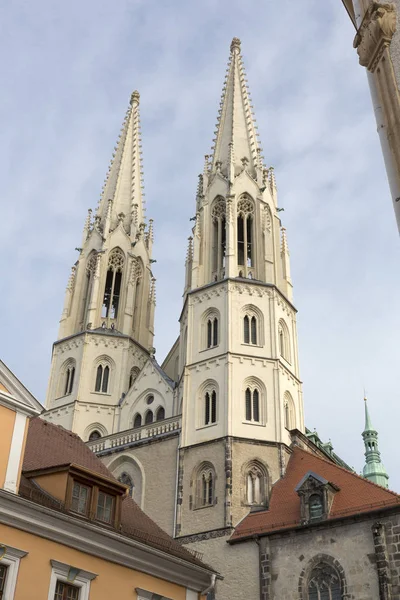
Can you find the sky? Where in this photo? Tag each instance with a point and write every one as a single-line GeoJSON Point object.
{"type": "Point", "coordinates": [68, 71]}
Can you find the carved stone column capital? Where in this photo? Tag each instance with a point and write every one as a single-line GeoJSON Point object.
{"type": "Point", "coordinates": [375, 33]}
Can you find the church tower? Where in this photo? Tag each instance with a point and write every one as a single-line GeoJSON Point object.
{"type": "Point", "coordinates": [107, 324]}
{"type": "Point", "coordinates": [373, 468]}
{"type": "Point", "coordinates": [239, 387]}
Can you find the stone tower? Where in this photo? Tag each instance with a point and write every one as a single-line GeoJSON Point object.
{"type": "Point", "coordinates": [239, 390]}
{"type": "Point", "coordinates": [106, 328]}
{"type": "Point", "coordinates": [373, 469]}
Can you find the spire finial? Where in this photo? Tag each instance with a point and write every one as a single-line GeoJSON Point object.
{"type": "Point", "coordinates": [135, 97]}
{"type": "Point", "coordinates": [235, 45]}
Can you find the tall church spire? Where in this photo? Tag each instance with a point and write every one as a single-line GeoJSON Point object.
{"type": "Point", "coordinates": [236, 144]}
{"type": "Point", "coordinates": [373, 469]}
{"type": "Point", "coordinates": [123, 185]}
{"type": "Point", "coordinates": [107, 323]}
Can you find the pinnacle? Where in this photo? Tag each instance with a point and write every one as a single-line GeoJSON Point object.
{"type": "Point", "coordinates": [135, 97]}
{"type": "Point", "coordinates": [235, 45]}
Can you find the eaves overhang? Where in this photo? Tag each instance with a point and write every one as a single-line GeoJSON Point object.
{"type": "Point", "coordinates": [108, 545]}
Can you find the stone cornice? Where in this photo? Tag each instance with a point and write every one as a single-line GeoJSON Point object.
{"type": "Point", "coordinates": [375, 33]}
{"type": "Point", "coordinates": [111, 546]}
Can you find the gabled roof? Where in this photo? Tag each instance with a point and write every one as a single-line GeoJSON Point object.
{"type": "Point", "coordinates": [51, 445]}
{"type": "Point", "coordinates": [15, 395]}
{"type": "Point", "coordinates": [355, 495]}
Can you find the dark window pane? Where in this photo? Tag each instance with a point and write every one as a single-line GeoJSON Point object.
{"type": "Point", "coordinates": [210, 490]}
{"type": "Point", "coordinates": [248, 405]}
{"type": "Point", "coordinates": [209, 333]}
{"type": "Point", "coordinates": [249, 224]}
{"type": "Point", "coordinates": [207, 407]}
{"type": "Point", "coordinates": [116, 295]}
{"type": "Point", "coordinates": [106, 375]}
{"type": "Point", "coordinates": [3, 574]}
{"type": "Point", "coordinates": [105, 505]}
{"type": "Point", "coordinates": [71, 380]}
{"type": "Point", "coordinates": [95, 435]}
{"type": "Point", "coordinates": [80, 498]}
{"type": "Point", "coordinates": [99, 377]}
{"type": "Point", "coordinates": [256, 406]}
{"type": "Point", "coordinates": [107, 294]}
{"type": "Point", "coordinates": [240, 234]}
{"type": "Point", "coordinates": [214, 407]}
{"type": "Point", "coordinates": [246, 326]}
{"type": "Point", "coordinates": [149, 417]}
{"type": "Point", "coordinates": [253, 330]}
{"type": "Point", "coordinates": [137, 422]}
{"type": "Point", "coordinates": [160, 414]}
{"type": "Point", "coordinates": [215, 332]}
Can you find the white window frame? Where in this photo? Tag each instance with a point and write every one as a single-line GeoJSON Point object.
{"type": "Point", "coordinates": [72, 576]}
{"type": "Point", "coordinates": [146, 595]}
{"type": "Point", "coordinates": [10, 557]}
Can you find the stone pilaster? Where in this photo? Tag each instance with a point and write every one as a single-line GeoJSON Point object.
{"type": "Point", "coordinates": [382, 562]}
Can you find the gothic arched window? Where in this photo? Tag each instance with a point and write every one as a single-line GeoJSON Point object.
{"type": "Point", "coordinates": [324, 583]}
{"type": "Point", "coordinates": [252, 398]}
{"type": "Point", "coordinates": [210, 407]}
{"type": "Point", "coordinates": [289, 411]}
{"type": "Point", "coordinates": [253, 325]}
{"type": "Point", "coordinates": [133, 375]}
{"type": "Point", "coordinates": [127, 480]}
{"type": "Point", "coordinates": [102, 378]}
{"type": "Point", "coordinates": [245, 235]}
{"type": "Point", "coordinates": [160, 414]}
{"type": "Point", "coordinates": [112, 290]}
{"type": "Point", "coordinates": [210, 328]}
{"type": "Point", "coordinates": [90, 270]}
{"type": "Point", "coordinates": [148, 417]}
{"type": "Point", "coordinates": [283, 340]}
{"type": "Point", "coordinates": [95, 435]}
{"type": "Point", "coordinates": [255, 484]}
{"type": "Point", "coordinates": [204, 483]}
{"type": "Point", "coordinates": [67, 377]}
{"type": "Point", "coordinates": [218, 216]}
{"type": "Point", "coordinates": [137, 421]}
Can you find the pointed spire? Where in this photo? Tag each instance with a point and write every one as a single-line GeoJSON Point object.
{"type": "Point", "coordinates": [236, 131]}
{"type": "Point", "coordinates": [124, 181]}
{"type": "Point", "coordinates": [373, 469]}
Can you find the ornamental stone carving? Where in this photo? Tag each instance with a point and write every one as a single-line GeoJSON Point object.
{"type": "Point", "coordinates": [375, 33]}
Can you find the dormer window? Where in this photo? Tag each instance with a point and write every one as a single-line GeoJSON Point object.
{"type": "Point", "coordinates": [105, 506]}
{"type": "Point", "coordinates": [316, 507]}
{"type": "Point", "coordinates": [80, 499]}
{"type": "Point", "coordinates": [316, 497]}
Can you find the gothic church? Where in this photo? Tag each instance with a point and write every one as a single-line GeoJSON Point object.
{"type": "Point", "coordinates": [212, 443]}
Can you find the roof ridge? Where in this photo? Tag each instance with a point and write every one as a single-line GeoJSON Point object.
{"type": "Point", "coordinates": [352, 473]}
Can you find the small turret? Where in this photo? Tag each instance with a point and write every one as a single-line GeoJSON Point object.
{"type": "Point", "coordinates": [373, 469]}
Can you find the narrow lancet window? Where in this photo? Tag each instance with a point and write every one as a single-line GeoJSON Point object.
{"type": "Point", "coordinates": [112, 290]}
{"type": "Point", "coordinates": [245, 251]}
{"type": "Point", "coordinates": [218, 216]}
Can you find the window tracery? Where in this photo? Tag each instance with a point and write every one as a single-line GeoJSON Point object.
{"type": "Point", "coordinates": [204, 481]}
{"type": "Point", "coordinates": [256, 484]}
{"type": "Point", "coordinates": [324, 583]}
{"type": "Point", "coordinates": [95, 435]}
{"type": "Point", "coordinates": [254, 394]}
{"type": "Point", "coordinates": [67, 377]}
{"type": "Point", "coordinates": [133, 375]}
{"type": "Point", "coordinates": [245, 222]}
{"type": "Point", "coordinates": [210, 328]}
{"type": "Point", "coordinates": [112, 290]}
{"type": "Point", "coordinates": [103, 370]}
{"type": "Point", "coordinates": [289, 411]}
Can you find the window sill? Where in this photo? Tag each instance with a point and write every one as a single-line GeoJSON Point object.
{"type": "Point", "coordinates": [207, 426]}
{"type": "Point", "coordinates": [205, 506]}
{"type": "Point", "coordinates": [101, 393]}
{"type": "Point", "coordinates": [253, 345]}
{"type": "Point", "coordinates": [254, 423]}
{"type": "Point", "coordinates": [210, 348]}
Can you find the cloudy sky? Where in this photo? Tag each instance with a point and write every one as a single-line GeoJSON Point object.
{"type": "Point", "coordinates": [68, 70]}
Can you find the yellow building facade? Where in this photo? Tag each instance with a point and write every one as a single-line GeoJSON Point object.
{"type": "Point", "coordinates": [68, 529]}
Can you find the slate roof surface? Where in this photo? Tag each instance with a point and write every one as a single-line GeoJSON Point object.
{"type": "Point", "coordinates": [51, 445]}
{"type": "Point", "coordinates": [356, 495]}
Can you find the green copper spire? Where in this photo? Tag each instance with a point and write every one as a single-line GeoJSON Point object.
{"type": "Point", "coordinates": [373, 469]}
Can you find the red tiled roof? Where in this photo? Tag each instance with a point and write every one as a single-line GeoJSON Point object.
{"type": "Point", "coordinates": [356, 495]}
{"type": "Point", "coordinates": [49, 445]}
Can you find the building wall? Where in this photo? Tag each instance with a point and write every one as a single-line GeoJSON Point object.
{"type": "Point", "coordinates": [352, 545]}
{"type": "Point", "coordinates": [7, 420]}
{"type": "Point", "coordinates": [35, 570]}
{"type": "Point", "coordinates": [153, 467]}
{"type": "Point", "coordinates": [237, 565]}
